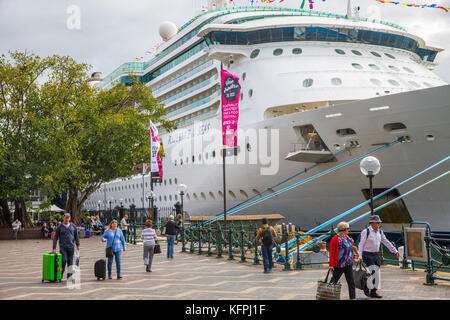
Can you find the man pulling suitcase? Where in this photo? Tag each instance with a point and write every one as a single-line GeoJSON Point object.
{"type": "Point", "coordinates": [67, 235]}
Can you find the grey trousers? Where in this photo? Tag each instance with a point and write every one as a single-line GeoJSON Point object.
{"type": "Point", "coordinates": [148, 254]}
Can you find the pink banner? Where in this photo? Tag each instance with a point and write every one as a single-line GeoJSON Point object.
{"type": "Point", "coordinates": [231, 90]}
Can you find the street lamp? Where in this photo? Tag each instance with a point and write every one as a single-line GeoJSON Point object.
{"type": "Point", "coordinates": [181, 188]}
{"type": "Point", "coordinates": [99, 203]}
{"type": "Point", "coordinates": [150, 195]}
{"type": "Point", "coordinates": [110, 201]}
{"type": "Point", "coordinates": [370, 166]}
{"type": "Point", "coordinates": [121, 208]}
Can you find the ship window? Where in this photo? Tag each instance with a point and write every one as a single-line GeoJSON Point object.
{"type": "Point", "coordinates": [199, 157]}
{"type": "Point", "coordinates": [188, 196]}
{"type": "Point", "coordinates": [308, 83]}
{"type": "Point", "coordinates": [231, 193]}
{"type": "Point", "coordinates": [389, 55]}
{"type": "Point", "coordinates": [165, 198]}
{"type": "Point", "coordinates": [193, 159]}
{"type": "Point", "coordinates": [243, 193]}
{"type": "Point", "coordinates": [427, 84]}
{"type": "Point", "coordinates": [376, 82]}
{"type": "Point", "coordinates": [242, 96]}
{"type": "Point", "coordinates": [396, 126]}
{"type": "Point", "coordinates": [374, 66]}
{"type": "Point", "coordinates": [206, 155]}
{"type": "Point", "coordinates": [254, 54]}
{"type": "Point", "coordinates": [249, 147]}
{"type": "Point", "coordinates": [376, 54]}
{"type": "Point", "coordinates": [220, 194]}
{"type": "Point", "coordinates": [357, 66]}
{"type": "Point", "coordinates": [170, 197]}
{"type": "Point", "coordinates": [339, 51]}
{"type": "Point", "coordinates": [397, 212]}
{"type": "Point", "coordinates": [195, 196]}
{"type": "Point", "coordinates": [250, 93]}
{"type": "Point", "coordinates": [356, 52]}
{"type": "Point", "coordinates": [170, 181]}
{"type": "Point", "coordinates": [393, 82]}
{"type": "Point", "coordinates": [408, 69]}
{"type": "Point", "coordinates": [256, 192]}
{"type": "Point", "coordinates": [336, 81]}
{"type": "Point", "coordinates": [181, 162]}
{"type": "Point", "coordinates": [212, 195]}
{"type": "Point", "coordinates": [345, 132]}
{"type": "Point", "coordinates": [203, 196]}
{"type": "Point", "coordinates": [296, 51]}
{"type": "Point", "coordinates": [414, 84]}
{"type": "Point", "coordinates": [244, 75]}
{"type": "Point", "coordinates": [394, 68]}
{"type": "Point", "coordinates": [277, 52]}
{"type": "Point", "coordinates": [176, 197]}
{"type": "Point", "coordinates": [175, 163]}
{"type": "Point", "coordinates": [214, 153]}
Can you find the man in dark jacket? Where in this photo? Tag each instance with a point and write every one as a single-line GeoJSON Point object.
{"type": "Point", "coordinates": [171, 233]}
{"type": "Point", "coordinates": [67, 235]}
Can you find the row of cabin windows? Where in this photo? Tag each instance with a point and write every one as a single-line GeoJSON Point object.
{"type": "Point", "coordinates": [337, 81]}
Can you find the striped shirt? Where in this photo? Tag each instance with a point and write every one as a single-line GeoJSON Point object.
{"type": "Point", "coordinates": [149, 236]}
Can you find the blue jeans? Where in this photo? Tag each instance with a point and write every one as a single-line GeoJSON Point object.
{"type": "Point", "coordinates": [170, 244]}
{"type": "Point", "coordinates": [267, 257]}
{"type": "Point", "coordinates": [67, 257]}
{"type": "Point", "coordinates": [118, 255]}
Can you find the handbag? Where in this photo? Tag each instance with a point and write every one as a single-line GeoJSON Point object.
{"type": "Point", "coordinates": [157, 248]}
{"type": "Point", "coordinates": [109, 250]}
{"type": "Point", "coordinates": [361, 275]}
{"type": "Point", "coordinates": [328, 291]}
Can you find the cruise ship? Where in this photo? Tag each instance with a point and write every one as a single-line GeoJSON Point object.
{"type": "Point", "coordinates": [312, 85]}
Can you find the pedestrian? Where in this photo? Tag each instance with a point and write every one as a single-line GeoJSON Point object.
{"type": "Point", "coordinates": [171, 233]}
{"type": "Point", "coordinates": [179, 225]}
{"type": "Point", "coordinates": [342, 256]}
{"type": "Point", "coordinates": [150, 238]}
{"type": "Point", "coordinates": [67, 235]}
{"type": "Point", "coordinates": [46, 234]}
{"type": "Point", "coordinates": [16, 225]}
{"type": "Point", "coordinates": [266, 236]}
{"type": "Point", "coordinates": [369, 245]}
{"type": "Point", "coordinates": [114, 238]}
{"type": "Point", "coordinates": [124, 225]}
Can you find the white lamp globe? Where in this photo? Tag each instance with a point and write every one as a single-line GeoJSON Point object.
{"type": "Point", "coordinates": [181, 188]}
{"type": "Point", "coordinates": [370, 166]}
{"type": "Point", "coordinates": [167, 30]}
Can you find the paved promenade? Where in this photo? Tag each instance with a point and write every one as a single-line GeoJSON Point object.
{"type": "Point", "coordinates": [187, 276]}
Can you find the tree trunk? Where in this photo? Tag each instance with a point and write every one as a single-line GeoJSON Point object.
{"type": "Point", "coordinates": [5, 214]}
{"type": "Point", "coordinates": [20, 212]}
{"type": "Point", "coordinates": [74, 206]}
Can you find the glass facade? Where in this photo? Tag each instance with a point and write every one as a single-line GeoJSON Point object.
{"type": "Point", "coordinates": [321, 34]}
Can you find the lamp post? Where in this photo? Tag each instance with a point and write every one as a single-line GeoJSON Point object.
{"type": "Point", "coordinates": [110, 201]}
{"type": "Point", "coordinates": [121, 208]}
{"type": "Point", "coordinates": [150, 195]}
{"type": "Point", "coordinates": [181, 191]}
{"type": "Point", "coordinates": [99, 203]}
{"type": "Point", "coordinates": [370, 166]}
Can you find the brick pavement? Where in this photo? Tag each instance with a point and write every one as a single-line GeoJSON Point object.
{"type": "Point", "coordinates": [188, 276]}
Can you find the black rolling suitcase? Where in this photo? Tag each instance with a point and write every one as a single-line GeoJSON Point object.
{"type": "Point", "coordinates": [100, 269]}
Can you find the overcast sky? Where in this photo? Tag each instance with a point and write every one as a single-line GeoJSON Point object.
{"type": "Point", "coordinates": [115, 31]}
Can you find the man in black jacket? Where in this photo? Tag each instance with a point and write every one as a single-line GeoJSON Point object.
{"type": "Point", "coordinates": [171, 233]}
{"type": "Point", "coordinates": [67, 235]}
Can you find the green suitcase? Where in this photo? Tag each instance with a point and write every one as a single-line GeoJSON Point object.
{"type": "Point", "coordinates": [52, 267]}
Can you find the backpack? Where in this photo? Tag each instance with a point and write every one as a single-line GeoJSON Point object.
{"type": "Point", "coordinates": [267, 237]}
{"type": "Point", "coordinates": [368, 232]}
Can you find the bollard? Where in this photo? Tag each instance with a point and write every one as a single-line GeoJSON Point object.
{"type": "Point", "coordinates": [219, 241]}
{"type": "Point", "coordinates": [287, 265]}
{"type": "Point", "coordinates": [298, 264]}
{"type": "Point", "coordinates": [242, 243]}
{"type": "Point", "coordinates": [230, 241]}
{"type": "Point", "coordinates": [209, 240]}
{"type": "Point", "coordinates": [256, 258]}
{"type": "Point", "coordinates": [200, 239]}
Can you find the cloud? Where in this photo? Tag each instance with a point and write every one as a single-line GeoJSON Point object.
{"type": "Point", "coordinates": [115, 31]}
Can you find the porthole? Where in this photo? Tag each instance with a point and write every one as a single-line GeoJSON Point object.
{"type": "Point", "coordinates": [249, 147]}
{"type": "Point", "coordinates": [181, 162]}
{"type": "Point", "coordinates": [187, 160]}
{"type": "Point", "coordinates": [356, 52]}
{"type": "Point", "coordinates": [374, 66]}
{"type": "Point", "coordinates": [165, 198]}
{"type": "Point", "coordinates": [175, 163]}
{"type": "Point", "coordinates": [193, 159]}
{"type": "Point", "coordinates": [375, 82]}
{"type": "Point", "coordinates": [254, 54]}
{"type": "Point", "coordinates": [170, 181]}
{"type": "Point", "coordinates": [339, 51]}
{"type": "Point", "coordinates": [250, 93]}
{"type": "Point", "coordinates": [308, 83]}
{"type": "Point", "coordinates": [394, 127]}
{"type": "Point", "coordinates": [414, 84]}
{"type": "Point", "coordinates": [394, 68]}
{"type": "Point", "coordinates": [429, 137]}
{"type": "Point", "coordinates": [244, 75]}
{"type": "Point", "coordinates": [242, 96]}
{"type": "Point", "coordinates": [176, 197]}
{"type": "Point", "coordinates": [297, 51]}
{"type": "Point", "coordinates": [212, 195]}
{"type": "Point", "coordinates": [231, 193]}
{"type": "Point", "coordinates": [393, 82]}
{"type": "Point", "coordinates": [206, 155]}
{"type": "Point", "coordinates": [214, 153]}
{"type": "Point", "coordinates": [357, 66]}
{"type": "Point", "coordinates": [389, 55]}
{"type": "Point", "coordinates": [408, 69]}
{"type": "Point", "coordinates": [170, 197]}
{"type": "Point", "coordinates": [336, 81]}
{"type": "Point", "coordinates": [376, 54]}
{"type": "Point", "coordinates": [165, 182]}
{"type": "Point", "coordinates": [277, 52]}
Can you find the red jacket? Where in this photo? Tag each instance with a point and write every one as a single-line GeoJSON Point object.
{"type": "Point", "coordinates": [334, 251]}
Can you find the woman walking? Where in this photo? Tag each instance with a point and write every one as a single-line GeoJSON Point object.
{"type": "Point", "coordinates": [342, 256]}
{"type": "Point", "coordinates": [114, 238]}
{"type": "Point", "coordinates": [149, 237]}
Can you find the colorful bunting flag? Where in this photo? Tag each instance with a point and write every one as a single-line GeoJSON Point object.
{"type": "Point", "coordinates": [415, 5]}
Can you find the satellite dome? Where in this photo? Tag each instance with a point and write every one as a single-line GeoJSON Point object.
{"type": "Point", "coordinates": [167, 30]}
